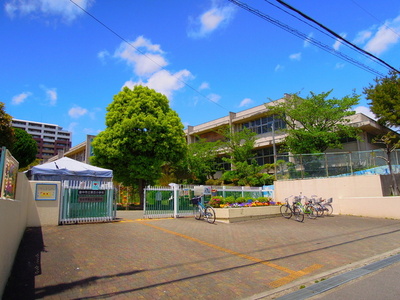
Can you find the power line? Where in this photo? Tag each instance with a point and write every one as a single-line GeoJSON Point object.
{"type": "Point", "coordinates": [145, 55]}
{"type": "Point", "coordinates": [390, 28]}
{"type": "Point", "coordinates": [309, 39]}
{"type": "Point", "coordinates": [319, 29]}
{"type": "Point", "coordinates": [337, 35]}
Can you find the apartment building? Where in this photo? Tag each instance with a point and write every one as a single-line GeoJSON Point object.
{"type": "Point", "coordinates": [50, 138]}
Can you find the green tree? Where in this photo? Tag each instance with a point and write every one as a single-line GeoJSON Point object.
{"type": "Point", "coordinates": [201, 160]}
{"type": "Point", "coordinates": [24, 148]}
{"type": "Point", "coordinates": [142, 133]}
{"type": "Point", "coordinates": [6, 130]}
{"type": "Point", "coordinates": [385, 99]}
{"type": "Point", "coordinates": [316, 122]}
{"type": "Point", "coordinates": [238, 145]}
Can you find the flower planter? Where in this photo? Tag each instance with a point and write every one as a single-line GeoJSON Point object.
{"type": "Point", "coordinates": [237, 214]}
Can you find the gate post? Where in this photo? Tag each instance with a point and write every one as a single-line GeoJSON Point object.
{"type": "Point", "coordinates": [175, 189]}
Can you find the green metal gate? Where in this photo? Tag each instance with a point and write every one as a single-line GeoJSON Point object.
{"type": "Point", "coordinates": [164, 202]}
{"type": "Point", "coordinates": [87, 201]}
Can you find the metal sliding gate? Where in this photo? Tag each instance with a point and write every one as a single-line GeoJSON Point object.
{"type": "Point", "coordinates": [165, 202]}
{"type": "Point", "coordinates": [87, 201]}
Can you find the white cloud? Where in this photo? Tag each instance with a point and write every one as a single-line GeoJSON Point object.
{"type": "Point", "coordinates": [362, 37]}
{"type": "Point", "coordinates": [72, 126]}
{"type": "Point", "coordinates": [52, 96]}
{"type": "Point", "coordinates": [379, 41]}
{"type": "Point", "coordinates": [164, 82]}
{"type": "Point", "coordinates": [338, 42]}
{"type": "Point", "coordinates": [77, 112]}
{"type": "Point", "coordinates": [366, 111]}
{"type": "Point", "coordinates": [211, 20]}
{"type": "Point", "coordinates": [18, 99]}
{"type": "Point", "coordinates": [339, 65]}
{"type": "Point", "coordinates": [295, 56]}
{"type": "Point", "coordinates": [102, 55]}
{"type": "Point", "coordinates": [214, 97]}
{"type": "Point", "coordinates": [279, 68]}
{"type": "Point", "coordinates": [245, 102]}
{"type": "Point", "coordinates": [63, 8]}
{"type": "Point", "coordinates": [145, 58]}
{"type": "Point", "coordinates": [204, 86]}
{"type": "Point", "coordinates": [306, 42]}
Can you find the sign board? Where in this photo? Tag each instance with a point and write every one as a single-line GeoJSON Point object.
{"type": "Point", "coordinates": [46, 192]}
{"type": "Point", "coordinates": [91, 196]}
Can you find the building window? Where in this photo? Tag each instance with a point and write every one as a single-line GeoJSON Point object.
{"type": "Point", "coordinates": [264, 125]}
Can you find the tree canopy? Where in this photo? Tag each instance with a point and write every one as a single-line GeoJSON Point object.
{"type": "Point", "coordinates": [6, 130]}
{"type": "Point", "coordinates": [142, 133]}
{"type": "Point", "coordinates": [385, 99]}
{"type": "Point", "coordinates": [24, 148]}
{"type": "Point", "coordinates": [316, 122]}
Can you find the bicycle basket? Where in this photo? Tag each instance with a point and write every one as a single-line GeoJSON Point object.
{"type": "Point", "coordinates": [196, 200]}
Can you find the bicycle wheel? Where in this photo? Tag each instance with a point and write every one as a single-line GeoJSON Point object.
{"type": "Point", "coordinates": [209, 214]}
{"type": "Point", "coordinates": [298, 214]}
{"type": "Point", "coordinates": [328, 209]}
{"type": "Point", "coordinates": [311, 212]}
{"type": "Point", "coordinates": [286, 211]}
{"type": "Point", "coordinates": [319, 209]}
{"type": "Point", "coordinates": [197, 212]}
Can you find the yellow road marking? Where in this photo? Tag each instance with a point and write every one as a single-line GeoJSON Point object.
{"type": "Point", "coordinates": [284, 280]}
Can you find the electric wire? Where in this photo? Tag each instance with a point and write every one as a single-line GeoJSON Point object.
{"type": "Point", "coordinates": [309, 39]}
{"type": "Point", "coordinates": [322, 31]}
{"type": "Point", "coordinates": [342, 39]}
{"type": "Point", "coordinates": [145, 55]}
{"type": "Point", "coordinates": [390, 28]}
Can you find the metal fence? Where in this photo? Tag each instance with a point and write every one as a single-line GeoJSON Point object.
{"type": "Point", "coordinates": [335, 164]}
{"type": "Point", "coordinates": [175, 200]}
{"type": "Point", "coordinates": [86, 201]}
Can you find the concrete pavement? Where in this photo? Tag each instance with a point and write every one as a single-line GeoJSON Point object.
{"type": "Point", "coordinates": [185, 258]}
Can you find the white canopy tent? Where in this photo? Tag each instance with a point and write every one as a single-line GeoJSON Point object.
{"type": "Point", "coordinates": [69, 169]}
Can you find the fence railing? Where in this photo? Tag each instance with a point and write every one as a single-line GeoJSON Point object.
{"type": "Point", "coordinates": [175, 200]}
{"type": "Point", "coordinates": [335, 164]}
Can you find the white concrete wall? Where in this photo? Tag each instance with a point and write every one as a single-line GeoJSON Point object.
{"type": "Point", "coordinates": [13, 221]}
{"type": "Point", "coordinates": [352, 195]}
{"type": "Point", "coordinates": [43, 213]}
{"type": "Point", "coordinates": [17, 215]}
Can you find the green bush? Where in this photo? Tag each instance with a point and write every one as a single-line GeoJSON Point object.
{"type": "Point", "coordinates": [216, 201]}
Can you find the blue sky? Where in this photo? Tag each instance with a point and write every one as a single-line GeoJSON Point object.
{"type": "Point", "coordinates": [59, 65]}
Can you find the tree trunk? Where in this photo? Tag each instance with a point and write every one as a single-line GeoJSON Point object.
{"type": "Point", "coordinates": [141, 186]}
{"type": "Point", "coordinates": [394, 182]}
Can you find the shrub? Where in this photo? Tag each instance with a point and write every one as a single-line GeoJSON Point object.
{"type": "Point", "coordinates": [216, 202]}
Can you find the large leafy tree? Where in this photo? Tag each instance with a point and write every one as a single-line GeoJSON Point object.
{"type": "Point", "coordinates": [142, 134]}
{"type": "Point", "coordinates": [316, 122]}
{"type": "Point", "coordinates": [6, 131]}
{"type": "Point", "coordinates": [385, 99]}
{"type": "Point", "coordinates": [24, 148]}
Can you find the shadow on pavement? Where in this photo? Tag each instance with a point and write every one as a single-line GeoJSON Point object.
{"type": "Point", "coordinates": [27, 264]}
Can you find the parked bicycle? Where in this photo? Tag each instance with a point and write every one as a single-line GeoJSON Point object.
{"type": "Point", "coordinates": [203, 211]}
{"type": "Point", "coordinates": [298, 209]}
{"type": "Point", "coordinates": [326, 206]}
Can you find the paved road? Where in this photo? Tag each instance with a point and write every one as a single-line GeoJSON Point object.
{"type": "Point", "coordinates": [184, 258]}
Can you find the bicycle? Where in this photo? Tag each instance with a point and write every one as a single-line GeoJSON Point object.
{"type": "Point", "coordinates": [203, 211]}
{"type": "Point", "coordinates": [308, 208]}
{"type": "Point", "coordinates": [297, 209]}
{"type": "Point", "coordinates": [323, 208]}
